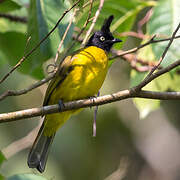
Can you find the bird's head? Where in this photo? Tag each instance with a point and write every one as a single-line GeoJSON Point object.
{"type": "Point", "coordinates": [103, 38]}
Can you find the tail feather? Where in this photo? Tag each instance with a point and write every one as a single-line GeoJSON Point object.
{"type": "Point", "coordinates": [39, 152]}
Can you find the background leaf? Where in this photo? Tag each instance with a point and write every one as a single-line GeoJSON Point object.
{"type": "Point", "coordinates": [43, 15]}
{"type": "Point", "coordinates": [124, 14]}
{"type": "Point", "coordinates": [8, 5]}
{"type": "Point", "coordinates": [163, 22]}
{"type": "Point", "coordinates": [2, 158]}
{"type": "Point", "coordinates": [26, 177]}
{"type": "Point", "coordinates": [12, 45]}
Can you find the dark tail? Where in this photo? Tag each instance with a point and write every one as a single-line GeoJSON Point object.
{"type": "Point", "coordinates": [39, 152]}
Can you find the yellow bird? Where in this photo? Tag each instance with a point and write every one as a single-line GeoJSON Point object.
{"type": "Point", "coordinates": [80, 76]}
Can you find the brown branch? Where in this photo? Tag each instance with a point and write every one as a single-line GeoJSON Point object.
{"type": "Point", "coordinates": [14, 18]}
{"type": "Point", "coordinates": [148, 77]}
{"type": "Point", "coordinates": [93, 22]}
{"type": "Point", "coordinates": [121, 172]}
{"type": "Point", "coordinates": [140, 68]}
{"type": "Point", "coordinates": [64, 36]}
{"type": "Point", "coordinates": [133, 34]}
{"type": "Point", "coordinates": [77, 38]}
{"type": "Point", "coordinates": [24, 91]}
{"type": "Point", "coordinates": [132, 93]}
{"type": "Point", "coordinates": [119, 53]}
{"type": "Point", "coordinates": [133, 60]}
{"type": "Point", "coordinates": [40, 42]}
{"type": "Point", "coordinates": [134, 50]}
{"type": "Point", "coordinates": [159, 73]}
{"type": "Point", "coordinates": [144, 20]}
{"type": "Point", "coordinates": [29, 113]}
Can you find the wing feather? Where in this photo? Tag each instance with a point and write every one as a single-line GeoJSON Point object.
{"type": "Point", "coordinates": [60, 75]}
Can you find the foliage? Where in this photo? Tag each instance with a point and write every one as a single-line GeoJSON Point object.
{"type": "Point", "coordinates": [26, 177]}
{"type": "Point", "coordinates": [162, 23]}
{"type": "Point", "coordinates": [2, 158]}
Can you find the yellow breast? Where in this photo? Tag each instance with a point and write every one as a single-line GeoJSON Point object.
{"type": "Point", "coordinates": [86, 78]}
{"type": "Point", "coordinates": [89, 71]}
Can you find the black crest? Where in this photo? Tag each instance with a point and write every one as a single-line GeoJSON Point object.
{"type": "Point", "coordinates": [103, 38]}
{"type": "Point", "coordinates": [106, 26]}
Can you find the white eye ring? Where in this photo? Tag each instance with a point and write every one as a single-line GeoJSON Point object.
{"type": "Point", "coordinates": [102, 38]}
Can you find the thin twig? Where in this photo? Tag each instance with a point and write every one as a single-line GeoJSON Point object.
{"type": "Point", "coordinates": [14, 18]}
{"type": "Point", "coordinates": [26, 46]}
{"type": "Point", "coordinates": [13, 116]}
{"type": "Point", "coordinates": [121, 172]}
{"type": "Point", "coordinates": [95, 117]}
{"type": "Point", "coordinates": [64, 36]}
{"type": "Point", "coordinates": [146, 80]}
{"type": "Point", "coordinates": [121, 95]}
{"type": "Point", "coordinates": [93, 22]}
{"type": "Point", "coordinates": [115, 53]}
{"type": "Point", "coordinates": [133, 34]}
{"type": "Point", "coordinates": [144, 20]}
{"type": "Point", "coordinates": [40, 42]}
{"type": "Point", "coordinates": [133, 50]}
{"type": "Point", "coordinates": [162, 71]}
{"type": "Point", "coordinates": [132, 57]}
{"type": "Point", "coordinates": [84, 26]}
{"type": "Point", "coordinates": [28, 89]}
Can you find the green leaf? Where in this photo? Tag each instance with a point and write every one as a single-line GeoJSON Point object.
{"type": "Point", "coordinates": [2, 177]}
{"type": "Point", "coordinates": [163, 22]}
{"type": "Point", "coordinates": [80, 4]}
{"type": "Point", "coordinates": [144, 106]}
{"type": "Point", "coordinates": [2, 59]}
{"type": "Point", "coordinates": [8, 25]}
{"type": "Point", "coordinates": [43, 16]}
{"type": "Point", "coordinates": [8, 5]}
{"type": "Point", "coordinates": [124, 16]}
{"type": "Point", "coordinates": [2, 158]}
{"type": "Point", "coordinates": [22, 2]}
{"type": "Point", "coordinates": [163, 83]}
{"type": "Point", "coordinates": [26, 177]}
{"type": "Point", "coordinates": [12, 45]}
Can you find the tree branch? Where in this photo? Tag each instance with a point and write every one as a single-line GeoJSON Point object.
{"type": "Point", "coordinates": [40, 42]}
{"type": "Point", "coordinates": [134, 50]}
{"type": "Point", "coordinates": [162, 71]}
{"type": "Point", "coordinates": [77, 38]}
{"type": "Point", "coordinates": [125, 94]}
{"type": "Point", "coordinates": [24, 91]}
{"type": "Point", "coordinates": [93, 22]}
{"type": "Point", "coordinates": [132, 93]}
{"type": "Point", "coordinates": [14, 18]}
{"type": "Point", "coordinates": [148, 77]}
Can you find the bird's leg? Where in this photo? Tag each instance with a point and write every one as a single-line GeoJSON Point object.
{"type": "Point", "coordinates": [61, 105]}
{"type": "Point", "coordinates": [95, 115]}
{"type": "Point", "coordinates": [92, 99]}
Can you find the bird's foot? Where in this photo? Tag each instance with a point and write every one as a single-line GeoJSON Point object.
{"type": "Point", "coordinates": [61, 105]}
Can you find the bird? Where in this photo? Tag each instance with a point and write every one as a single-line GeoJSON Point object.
{"type": "Point", "coordinates": [79, 76]}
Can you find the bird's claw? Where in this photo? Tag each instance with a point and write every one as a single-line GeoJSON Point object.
{"type": "Point", "coordinates": [61, 105]}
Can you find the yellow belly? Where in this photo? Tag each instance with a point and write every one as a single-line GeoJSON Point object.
{"type": "Point", "coordinates": [88, 74]}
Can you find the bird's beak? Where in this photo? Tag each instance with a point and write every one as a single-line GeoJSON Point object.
{"type": "Point", "coordinates": [115, 40]}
